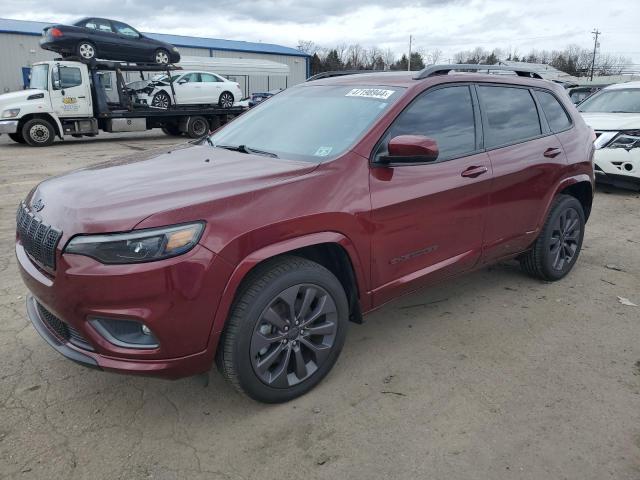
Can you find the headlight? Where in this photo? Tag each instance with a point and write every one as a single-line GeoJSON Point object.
{"type": "Point", "coordinates": [628, 139]}
{"type": "Point", "coordinates": [10, 113]}
{"type": "Point", "coordinates": [138, 246]}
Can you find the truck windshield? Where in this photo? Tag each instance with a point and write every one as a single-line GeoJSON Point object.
{"type": "Point", "coordinates": [613, 101]}
{"type": "Point", "coordinates": [39, 76]}
{"type": "Point", "coordinates": [313, 123]}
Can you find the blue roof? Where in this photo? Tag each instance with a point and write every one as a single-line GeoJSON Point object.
{"type": "Point", "coordinates": [27, 27]}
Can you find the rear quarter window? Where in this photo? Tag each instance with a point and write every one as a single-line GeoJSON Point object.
{"type": "Point", "coordinates": [556, 115]}
{"type": "Point", "coordinates": [510, 115]}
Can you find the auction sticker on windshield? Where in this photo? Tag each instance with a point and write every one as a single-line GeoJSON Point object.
{"type": "Point", "coordinates": [380, 93]}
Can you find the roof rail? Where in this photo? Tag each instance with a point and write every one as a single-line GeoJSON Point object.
{"type": "Point", "coordinates": [433, 70]}
{"type": "Point", "coordinates": [339, 73]}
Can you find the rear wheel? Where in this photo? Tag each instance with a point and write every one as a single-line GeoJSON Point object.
{"type": "Point", "coordinates": [161, 100]}
{"type": "Point", "coordinates": [171, 130]}
{"type": "Point", "coordinates": [17, 137]}
{"type": "Point", "coordinates": [38, 132]}
{"type": "Point", "coordinates": [226, 100]}
{"type": "Point", "coordinates": [286, 330]}
{"type": "Point", "coordinates": [161, 57]}
{"type": "Point", "coordinates": [556, 249]}
{"type": "Point", "coordinates": [86, 50]}
{"type": "Point", "coordinates": [198, 127]}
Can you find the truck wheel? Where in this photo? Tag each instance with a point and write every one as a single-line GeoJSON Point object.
{"type": "Point", "coordinates": [556, 249]}
{"type": "Point", "coordinates": [286, 330]}
{"type": "Point", "coordinates": [86, 50]}
{"type": "Point", "coordinates": [161, 100]}
{"type": "Point", "coordinates": [198, 127]}
{"type": "Point", "coordinates": [38, 132]}
{"type": "Point", "coordinates": [161, 56]}
{"type": "Point", "coordinates": [171, 130]}
{"type": "Point", "coordinates": [17, 137]}
{"type": "Point", "coordinates": [225, 100]}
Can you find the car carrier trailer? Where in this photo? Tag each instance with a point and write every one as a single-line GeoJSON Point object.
{"type": "Point", "coordinates": [68, 97]}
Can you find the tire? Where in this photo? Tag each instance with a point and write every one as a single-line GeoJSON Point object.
{"type": "Point", "coordinates": [172, 130]}
{"type": "Point", "coordinates": [38, 132]}
{"type": "Point", "coordinates": [197, 127]}
{"type": "Point", "coordinates": [161, 57]}
{"type": "Point", "coordinates": [17, 137]}
{"type": "Point", "coordinates": [161, 100]}
{"type": "Point", "coordinates": [248, 351]}
{"type": "Point", "coordinates": [86, 50]}
{"type": "Point", "coordinates": [557, 248]}
{"type": "Point", "coordinates": [226, 100]}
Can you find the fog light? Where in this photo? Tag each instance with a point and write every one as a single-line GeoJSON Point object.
{"type": "Point", "coordinates": [146, 330]}
{"type": "Point", "coordinates": [125, 333]}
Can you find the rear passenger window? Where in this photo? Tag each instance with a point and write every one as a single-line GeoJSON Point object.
{"type": "Point", "coordinates": [511, 115]}
{"type": "Point", "coordinates": [446, 115]}
{"type": "Point", "coordinates": [557, 117]}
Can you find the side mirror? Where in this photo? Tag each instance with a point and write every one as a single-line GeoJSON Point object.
{"type": "Point", "coordinates": [55, 77]}
{"type": "Point", "coordinates": [182, 82]}
{"type": "Point", "coordinates": [410, 149]}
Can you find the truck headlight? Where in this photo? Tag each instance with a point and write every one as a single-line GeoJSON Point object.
{"type": "Point", "coordinates": [10, 113]}
{"type": "Point", "coordinates": [627, 139]}
{"type": "Point", "coordinates": [139, 245]}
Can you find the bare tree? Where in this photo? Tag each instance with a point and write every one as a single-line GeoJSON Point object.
{"type": "Point", "coordinates": [433, 56]}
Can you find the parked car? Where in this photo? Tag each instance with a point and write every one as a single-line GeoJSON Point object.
{"type": "Point", "coordinates": [260, 97]}
{"type": "Point", "coordinates": [90, 38]}
{"type": "Point", "coordinates": [578, 94]}
{"type": "Point", "coordinates": [191, 87]}
{"type": "Point", "coordinates": [614, 113]}
{"type": "Point", "coordinates": [257, 246]}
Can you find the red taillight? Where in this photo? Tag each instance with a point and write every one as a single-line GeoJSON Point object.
{"type": "Point", "coordinates": [55, 32]}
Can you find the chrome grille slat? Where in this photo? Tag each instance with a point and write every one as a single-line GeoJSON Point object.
{"type": "Point", "coordinates": [38, 239]}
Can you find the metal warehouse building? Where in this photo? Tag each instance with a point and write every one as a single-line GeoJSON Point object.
{"type": "Point", "coordinates": [19, 49]}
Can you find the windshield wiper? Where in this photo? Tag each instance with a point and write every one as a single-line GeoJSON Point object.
{"type": "Point", "coordinates": [245, 149]}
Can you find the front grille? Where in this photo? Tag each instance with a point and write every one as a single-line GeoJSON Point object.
{"type": "Point", "coordinates": [39, 240]}
{"type": "Point", "coordinates": [62, 330]}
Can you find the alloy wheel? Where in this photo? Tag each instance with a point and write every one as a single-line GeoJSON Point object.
{"type": "Point", "coordinates": [564, 238]}
{"type": "Point", "coordinates": [162, 57]}
{"type": "Point", "coordinates": [86, 50]}
{"type": "Point", "coordinates": [294, 335]}
{"type": "Point", "coordinates": [226, 100]}
{"type": "Point", "coordinates": [161, 100]}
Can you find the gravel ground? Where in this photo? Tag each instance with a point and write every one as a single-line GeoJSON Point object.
{"type": "Point", "coordinates": [490, 376]}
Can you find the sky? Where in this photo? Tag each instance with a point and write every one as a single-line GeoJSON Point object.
{"type": "Point", "coordinates": [447, 25]}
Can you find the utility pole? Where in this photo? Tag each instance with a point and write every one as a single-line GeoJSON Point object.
{"type": "Point", "coordinates": [595, 33]}
{"type": "Point", "coordinates": [409, 60]}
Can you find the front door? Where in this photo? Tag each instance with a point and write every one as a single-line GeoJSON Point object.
{"type": "Point", "coordinates": [189, 89]}
{"type": "Point", "coordinates": [429, 218]}
{"type": "Point", "coordinates": [70, 91]}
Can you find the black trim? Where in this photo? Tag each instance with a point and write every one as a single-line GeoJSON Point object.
{"type": "Point", "coordinates": [434, 70]}
{"type": "Point", "coordinates": [35, 96]}
{"type": "Point", "coordinates": [61, 348]}
{"type": "Point", "coordinates": [571, 121]}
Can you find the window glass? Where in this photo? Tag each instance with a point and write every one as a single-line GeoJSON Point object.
{"type": "Point", "coordinates": [446, 115]}
{"type": "Point", "coordinates": [556, 115]}
{"type": "Point", "coordinates": [124, 29]}
{"type": "Point", "coordinates": [190, 78]}
{"type": "Point", "coordinates": [105, 80]}
{"type": "Point", "coordinates": [511, 115]}
{"type": "Point", "coordinates": [68, 77]}
{"type": "Point", "coordinates": [208, 77]}
{"type": "Point", "coordinates": [97, 24]}
{"type": "Point", "coordinates": [39, 74]}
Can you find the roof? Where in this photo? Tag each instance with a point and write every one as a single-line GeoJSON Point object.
{"type": "Point", "coordinates": [619, 86]}
{"type": "Point", "coordinates": [27, 27]}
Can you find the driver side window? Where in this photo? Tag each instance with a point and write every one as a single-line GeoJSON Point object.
{"type": "Point", "coordinates": [445, 115]}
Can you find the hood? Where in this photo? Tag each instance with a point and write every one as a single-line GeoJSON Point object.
{"type": "Point", "coordinates": [612, 121]}
{"type": "Point", "coordinates": [116, 196]}
{"type": "Point", "coordinates": [10, 99]}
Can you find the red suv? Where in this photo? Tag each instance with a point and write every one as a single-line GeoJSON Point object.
{"type": "Point", "coordinates": [256, 247]}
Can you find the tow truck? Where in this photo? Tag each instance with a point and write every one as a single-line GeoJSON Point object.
{"type": "Point", "coordinates": [70, 97]}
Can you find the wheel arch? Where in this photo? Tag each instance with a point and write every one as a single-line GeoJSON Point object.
{"type": "Point", "coordinates": [581, 188]}
{"type": "Point", "coordinates": [57, 126]}
{"type": "Point", "coordinates": [331, 249]}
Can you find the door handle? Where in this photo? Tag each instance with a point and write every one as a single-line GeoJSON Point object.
{"type": "Point", "coordinates": [552, 152]}
{"type": "Point", "coordinates": [474, 171]}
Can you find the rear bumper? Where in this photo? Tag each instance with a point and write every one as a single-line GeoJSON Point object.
{"type": "Point", "coordinates": [617, 180]}
{"type": "Point", "coordinates": [8, 126]}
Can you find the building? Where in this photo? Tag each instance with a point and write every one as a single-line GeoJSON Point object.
{"type": "Point", "coordinates": [19, 49]}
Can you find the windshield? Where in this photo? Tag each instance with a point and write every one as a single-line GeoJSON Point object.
{"type": "Point", "coordinates": [165, 78]}
{"type": "Point", "coordinates": [39, 75]}
{"type": "Point", "coordinates": [613, 101]}
{"type": "Point", "coordinates": [311, 123]}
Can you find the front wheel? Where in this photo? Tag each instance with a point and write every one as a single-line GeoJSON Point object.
{"type": "Point", "coordinates": [286, 330]}
{"type": "Point", "coordinates": [226, 100]}
{"type": "Point", "coordinates": [161, 100]}
{"type": "Point", "coordinates": [38, 132]}
{"type": "Point", "coordinates": [86, 50]}
{"type": "Point", "coordinates": [161, 57]}
{"type": "Point", "coordinates": [556, 249]}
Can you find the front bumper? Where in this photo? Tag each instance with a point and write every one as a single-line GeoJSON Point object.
{"type": "Point", "coordinates": [8, 126]}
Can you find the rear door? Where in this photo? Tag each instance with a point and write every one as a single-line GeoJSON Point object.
{"type": "Point", "coordinates": [129, 39]}
{"type": "Point", "coordinates": [527, 161]}
{"type": "Point", "coordinates": [429, 218]}
{"type": "Point", "coordinates": [101, 34]}
{"type": "Point", "coordinates": [211, 87]}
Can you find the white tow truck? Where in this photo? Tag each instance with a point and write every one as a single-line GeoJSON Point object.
{"type": "Point", "coordinates": [69, 97]}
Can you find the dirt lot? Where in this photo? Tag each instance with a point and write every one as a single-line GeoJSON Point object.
{"type": "Point", "coordinates": [492, 376]}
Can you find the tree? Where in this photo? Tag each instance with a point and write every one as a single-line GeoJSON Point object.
{"type": "Point", "coordinates": [417, 63]}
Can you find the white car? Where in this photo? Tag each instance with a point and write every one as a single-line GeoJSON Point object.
{"type": "Point", "coordinates": [191, 88]}
{"type": "Point", "coordinates": [614, 114]}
